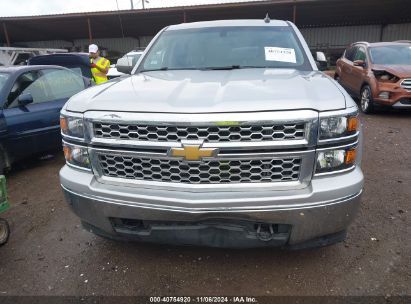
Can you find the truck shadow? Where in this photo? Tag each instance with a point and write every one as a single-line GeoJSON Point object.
{"type": "Point", "coordinates": [390, 113]}
{"type": "Point", "coordinates": [387, 112]}
{"type": "Point", "coordinates": [198, 253]}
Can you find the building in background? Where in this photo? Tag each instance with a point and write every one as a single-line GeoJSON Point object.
{"type": "Point", "coordinates": [328, 25]}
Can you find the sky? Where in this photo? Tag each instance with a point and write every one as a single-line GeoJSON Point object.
{"type": "Point", "coordinates": [43, 7]}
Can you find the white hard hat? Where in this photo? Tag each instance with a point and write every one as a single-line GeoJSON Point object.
{"type": "Point", "coordinates": [92, 48]}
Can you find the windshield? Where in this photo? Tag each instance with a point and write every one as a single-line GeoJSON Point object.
{"type": "Point", "coordinates": [391, 55]}
{"type": "Point", "coordinates": [76, 70]}
{"type": "Point", "coordinates": [3, 79]}
{"type": "Point", "coordinates": [226, 48]}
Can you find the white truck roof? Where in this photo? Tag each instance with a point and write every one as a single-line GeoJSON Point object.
{"type": "Point", "coordinates": [220, 23]}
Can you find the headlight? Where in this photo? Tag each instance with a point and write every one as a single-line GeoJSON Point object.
{"type": "Point", "coordinates": [338, 126]}
{"type": "Point", "coordinates": [76, 155]}
{"type": "Point", "coordinates": [335, 160]}
{"type": "Point", "coordinates": [72, 126]}
{"type": "Point", "coordinates": [384, 76]}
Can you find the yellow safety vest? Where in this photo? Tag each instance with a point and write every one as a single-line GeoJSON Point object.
{"type": "Point", "coordinates": [98, 76]}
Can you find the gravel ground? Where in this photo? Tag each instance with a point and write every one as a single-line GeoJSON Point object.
{"type": "Point", "coordinates": [50, 254]}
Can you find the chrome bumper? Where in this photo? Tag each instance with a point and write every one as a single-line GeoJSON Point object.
{"type": "Point", "coordinates": [400, 105]}
{"type": "Point", "coordinates": [325, 207]}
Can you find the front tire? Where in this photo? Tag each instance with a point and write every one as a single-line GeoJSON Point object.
{"type": "Point", "coordinates": [366, 101]}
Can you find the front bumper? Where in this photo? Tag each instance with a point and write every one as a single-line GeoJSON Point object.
{"type": "Point", "coordinates": [400, 98]}
{"type": "Point", "coordinates": [325, 207]}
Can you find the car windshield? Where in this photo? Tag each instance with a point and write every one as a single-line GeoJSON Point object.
{"type": "Point", "coordinates": [227, 48]}
{"type": "Point", "coordinates": [391, 55]}
{"type": "Point", "coordinates": [3, 79]}
{"type": "Point", "coordinates": [76, 70]}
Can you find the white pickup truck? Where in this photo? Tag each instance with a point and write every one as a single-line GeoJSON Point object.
{"type": "Point", "coordinates": [226, 135]}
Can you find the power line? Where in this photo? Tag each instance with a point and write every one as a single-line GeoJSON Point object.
{"type": "Point", "coordinates": [143, 2]}
{"type": "Point", "coordinates": [121, 21]}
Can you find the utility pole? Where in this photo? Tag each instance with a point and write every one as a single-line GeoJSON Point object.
{"type": "Point", "coordinates": [90, 35]}
{"type": "Point", "coordinates": [143, 3]}
{"type": "Point", "coordinates": [294, 12]}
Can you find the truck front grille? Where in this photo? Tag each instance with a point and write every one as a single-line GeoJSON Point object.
{"type": "Point", "coordinates": [240, 133]}
{"type": "Point", "coordinates": [406, 84]}
{"type": "Point", "coordinates": [205, 172]}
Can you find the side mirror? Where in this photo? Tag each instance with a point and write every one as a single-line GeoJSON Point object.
{"type": "Point", "coordinates": [124, 65]}
{"type": "Point", "coordinates": [88, 82]}
{"type": "Point", "coordinates": [25, 99]}
{"type": "Point", "coordinates": [321, 61]}
{"type": "Point", "coordinates": [320, 56]}
{"type": "Point", "coordinates": [360, 63]}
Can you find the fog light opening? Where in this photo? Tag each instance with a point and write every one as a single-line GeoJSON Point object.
{"type": "Point", "coordinates": [384, 95]}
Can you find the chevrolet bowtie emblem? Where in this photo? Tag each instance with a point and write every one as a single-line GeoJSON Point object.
{"type": "Point", "coordinates": [191, 152]}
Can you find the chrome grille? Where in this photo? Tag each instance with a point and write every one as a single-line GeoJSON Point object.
{"type": "Point", "coordinates": [406, 84]}
{"type": "Point", "coordinates": [205, 172]}
{"type": "Point", "coordinates": [266, 132]}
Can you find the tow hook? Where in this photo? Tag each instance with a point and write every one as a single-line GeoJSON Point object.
{"type": "Point", "coordinates": [265, 232]}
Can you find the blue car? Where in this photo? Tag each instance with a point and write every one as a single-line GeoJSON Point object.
{"type": "Point", "coordinates": [31, 98]}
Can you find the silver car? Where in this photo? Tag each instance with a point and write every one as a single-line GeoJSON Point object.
{"type": "Point", "coordinates": [225, 135]}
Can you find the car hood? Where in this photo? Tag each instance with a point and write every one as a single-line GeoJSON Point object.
{"type": "Point", "coordinates": [195, 91]}
{"type": "Point", "coordinates": [401, 71]}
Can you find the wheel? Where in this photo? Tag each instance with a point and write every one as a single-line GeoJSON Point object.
{"type": "Point", "coordinates": [366, 102]}
{"type": "Point", "coordinates": [4, 231]}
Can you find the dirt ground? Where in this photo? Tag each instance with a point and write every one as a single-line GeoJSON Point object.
{"type": "Point", "coordinates": [50, 254]}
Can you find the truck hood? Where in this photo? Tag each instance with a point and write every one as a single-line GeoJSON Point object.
{"type": "Point", "coordinates": [401, 71]}
{"type": "Point", "coordinates": [195, 91]}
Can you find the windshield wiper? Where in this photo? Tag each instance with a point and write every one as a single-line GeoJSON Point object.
{"type": "Point", "coordinates": [228, 67]}
{"type": "Point", "coordinates": [235, 67]}
{"type": "Point", "coordinates": [216, 68]}
{"type": "Point", "coordinates": [167, 69]}
{"type": "Point", "coordinates": [160, 69]}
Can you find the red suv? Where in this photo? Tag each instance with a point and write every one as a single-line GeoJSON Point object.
{"type": "Point", "coordinates": [377, 73]}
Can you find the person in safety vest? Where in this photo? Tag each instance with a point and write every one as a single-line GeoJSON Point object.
{"type": "Point", "coordinates": [99, 65]}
